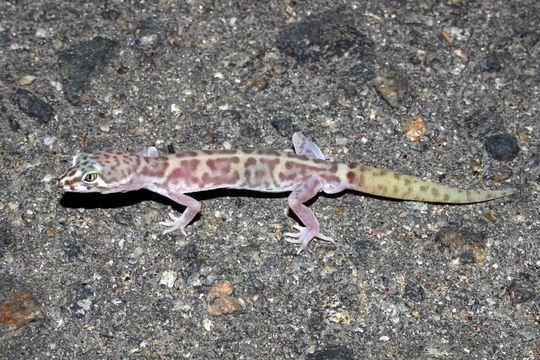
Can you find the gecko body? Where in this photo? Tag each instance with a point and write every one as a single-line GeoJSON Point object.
{"type": "Point", "coordinates": [303, 173]}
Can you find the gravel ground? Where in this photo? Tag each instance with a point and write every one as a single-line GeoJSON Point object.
{"type": "Point", "coordinates": [91, 276]}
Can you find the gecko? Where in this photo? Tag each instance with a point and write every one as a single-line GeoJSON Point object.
{"type": "Point", "coordinates": [303, 173]}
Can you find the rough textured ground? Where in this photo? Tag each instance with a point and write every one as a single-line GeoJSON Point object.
{"type": "Point", "coordinates": [90, 277]}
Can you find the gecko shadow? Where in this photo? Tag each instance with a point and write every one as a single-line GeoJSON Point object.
{"type": "Point", "coordinates": [120, 200]}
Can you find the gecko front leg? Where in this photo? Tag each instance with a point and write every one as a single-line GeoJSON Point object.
{"type": "Point", "coordinates": [179, 223]}
{"type": "Point", "coordinates": [296, 200]}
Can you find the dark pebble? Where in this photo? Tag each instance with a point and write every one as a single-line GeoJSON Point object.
{"type": "Point", "coordinates": [5, 238]}
{"type": "Point", "coordinates": [394, 89]}
{"type": "Point", "coordinates": [248, 131]}
{"type": "Point", "coordinates": [187, 254]}
{"type": "Point", "coordinates": [332, 352]}
{"type": "Point", "coordinates": [123, 218]}
{"type": "Point", "coordinates": [72, 251]}
{"type": "Point", "coordinates": [77, 295]}
{"type": "Point", "coordinates": [78, 62]}
{"type": "Point", "coordinates": [14, 124]}
{"type": "Point", "coordinates": [463, 243]}
{"type": "Point", "coordinates": [502, 147]}
{"type": "Point", "coordinates": [149, 34]}
{"type": "Point", "coordinates": [110, 14]}
{"type": "Point", "coordinates": [414, 292]}
{"type": "Point", "coordinates": [495, 61]}
{"type": "Point", "coordinates": [31, 105]}
{"type": "Point", "coordinates": [522, 289]}
{"type": "Point", "coordinates": [231, 114]}
{"type": "Point", "coordinates": [254, 286]}
{"type": "Point", "coordinates": [284, 126]}
{"type": "Point", "coordinates": [324, 35]}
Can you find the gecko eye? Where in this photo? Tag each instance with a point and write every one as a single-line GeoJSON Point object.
{"type": "Point", "coordinates": [90, 177]}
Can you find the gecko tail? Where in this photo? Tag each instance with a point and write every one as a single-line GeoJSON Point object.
{"type": "Point", "coordinates": [397, 186]}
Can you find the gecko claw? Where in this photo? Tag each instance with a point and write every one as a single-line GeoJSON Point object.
{"type": "Point", "coordinates": [304, 236]}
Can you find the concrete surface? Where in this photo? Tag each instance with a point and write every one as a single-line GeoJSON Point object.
{"type": "Point", "coordinates": [91, 276]}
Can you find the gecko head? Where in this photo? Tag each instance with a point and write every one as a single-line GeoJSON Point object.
{"type": "Point", "coordinates": [103, 171]}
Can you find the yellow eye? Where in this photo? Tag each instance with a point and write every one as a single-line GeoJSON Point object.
{"type": "Point", "coordinates": [90, 177]}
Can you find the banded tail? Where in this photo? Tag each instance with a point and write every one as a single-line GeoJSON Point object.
{"type": "Point", "coordinates": [397, 186]}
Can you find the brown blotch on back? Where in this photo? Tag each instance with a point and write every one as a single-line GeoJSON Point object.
{"type": "Point", "coordinates": [146, 171]}
{"type": "Point", "coordinates": [211, 163]}
{"type": "Point", "coordinates": [333, 167]}
{"type": "Point", "coordinates": [235, 176]}
{"type": "Point", "coordinates": [286, 177]}
{"type": "Point", "coordinates": [435, 192]}
{"type": "Point", "coordinates": [351, 177]}
{"type": "Point", "coordinates": [423, 188]}
{"type": "Point", "coordinates": [250, 161]}
{"type": "Point", "coordinates": [207, 178]}
{"type": "Point", "coordinates": [271, 163]}
{"type": "Point", "coordinates": [446, 197]}
{"type": "Point", "coordinates": [382, 189]}
{"type": "Point", "coordinates": [396, 176]}
{"type": "Point", "coordinates": [190, 165]}
{"type": "Point", "coordinates": [407, 181]}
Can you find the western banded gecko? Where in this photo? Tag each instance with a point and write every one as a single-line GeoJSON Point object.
{"type": "Point", "coordinates": [304, 173]}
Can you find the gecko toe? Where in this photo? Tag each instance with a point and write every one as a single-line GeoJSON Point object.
{"type": "Point", "coordinates": [325, 238]}
{"type": "Point", "coordinates": [166, 231]}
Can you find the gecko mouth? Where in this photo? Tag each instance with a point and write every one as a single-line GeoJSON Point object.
{"type": "Point", "coordinates": [67, 185]}
{"type": "Point", "coordinates": [62, 185]}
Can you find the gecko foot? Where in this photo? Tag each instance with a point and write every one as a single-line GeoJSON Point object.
{"type": "Point", "coordinates": [304, 236]}
{"type": "Point", "coordinates": [177, 223]}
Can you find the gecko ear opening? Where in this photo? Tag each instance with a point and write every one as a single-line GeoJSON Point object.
{"type": "Point", "coordinates": [90, 177]}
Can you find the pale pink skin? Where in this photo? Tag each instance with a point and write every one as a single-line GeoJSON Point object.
{"type": "Point", "coordinates": [304, 174]}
